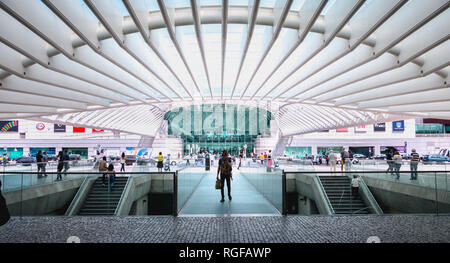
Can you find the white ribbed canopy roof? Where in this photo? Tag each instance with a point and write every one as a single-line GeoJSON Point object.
{"type": "Point", "coordinates": [315, 64]}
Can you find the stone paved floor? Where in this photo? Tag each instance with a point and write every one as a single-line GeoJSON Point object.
{"type": "Point", "coordinates": [248, 229]}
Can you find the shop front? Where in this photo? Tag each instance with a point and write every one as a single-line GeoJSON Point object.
{"type": "Point", "coordinates": [323, 150]}
{"type": "Point", "coordinates": [83, 152]}
{"type": "Point", "coordinates": [49, 151]}
{"type": "Point", "coordinates": [298, 152]}
{"type": "Point", "coordinates": [367, 151]}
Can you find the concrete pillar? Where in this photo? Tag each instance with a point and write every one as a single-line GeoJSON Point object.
{"type": "Point", "coordinates": [377, 150]}
{"type": "Point", "coordinates": [141, 206]}
{"type": "Point", "coordinates": [305, 205]}
{"type": "Point", "coordinates": [26, 151]}
{"type": "Point", "coordinates": [314, 149]}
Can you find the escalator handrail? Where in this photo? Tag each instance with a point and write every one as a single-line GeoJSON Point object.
{"type": "Point", "coordinates": [80, 190]}
{"type": "Point", "coordinates": [372, 199]}
{"type": "Point", "coordinates": [324, 194]}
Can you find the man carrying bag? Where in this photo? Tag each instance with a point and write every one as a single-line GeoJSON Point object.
{"type": "Point", "coordinates": [224, 170]}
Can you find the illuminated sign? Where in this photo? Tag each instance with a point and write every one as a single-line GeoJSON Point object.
{"type": "Point", "coordinates": [398, 126]}
{"type": "Point", "coordinates": [9, 126]}
{"type": "Point", "coordinates": [379, 127]}
{"type": "Point", "coordinates": [59, 128]}
{"type": "Point", "coordinates": [40, 126]}
{"type": "Point", "coordinates": [78, 129]}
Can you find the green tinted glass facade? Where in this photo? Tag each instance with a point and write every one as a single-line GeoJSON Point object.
{"type": "Point", "coordinates": [217, 127]}
{"type": "Point", "coordinates": [429, 128]}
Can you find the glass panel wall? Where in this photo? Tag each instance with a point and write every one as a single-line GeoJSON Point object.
{"type": "Point", "coordinates": [217, 127]}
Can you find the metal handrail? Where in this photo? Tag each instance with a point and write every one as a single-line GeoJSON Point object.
{"type": "Point", "coordinates": [364, 171]}
{"type": "Point", "coordinates": [324, 194]}
{"type": "Point", "coordinates": [81, 189]}
{"type": "Point", "coordinates": [371, 197]}
{"type": "Point", "coordinates": [125, 189]}
{"type": "Point", "coordinates": [5, 172]}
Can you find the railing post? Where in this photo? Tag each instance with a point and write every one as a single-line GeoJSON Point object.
{"type": "Point", "coordinates": [175, 194]}
{"type": "Point", "coordinates": [283, 200]}
{"type": "Point", "coordinates": [21, 195]}
{"type": "Point", "coordinates": [436, 189]}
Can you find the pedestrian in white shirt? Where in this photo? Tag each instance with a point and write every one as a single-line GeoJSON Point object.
{"type": "Point", "coordinates": [397, 159]}
{"type": "Point", "coordinates": [355, 185]}
{"type": "Point", "coordinates": [333, 160]}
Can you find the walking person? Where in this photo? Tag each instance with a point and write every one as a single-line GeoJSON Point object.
{"type": "Point", "coordinates": [39, 164]}
{"type": "Point", "coordinates": [103, 168]}
{"type": "Point", "coordinates": [261, 158]}
{"type": "Point", "coordinates": [390, 162]}
{"type": "Point", "coordinates": [346, 161]}
{"type": "Point", "coordinates": [111, 176]}
{"type": "Point", "coordinates": [4, 213]}
{"type": "Point", "coordinates": [415, 159]}
{"type": "Point", "coordinates": [207, 161]}
{"type": "Point", "coordinates": [240, 160]}
{"type": "Point", "coordinates": [342, 159]}
{"type": "Point", "coordinates": [60, 165]}
{"type": "Point", "coordinates": [225, 171]}
{"type": "Point", "coordinates": [44, 163]}
{"type": "Point", "coordinates": [269, 158]}
{"type": "Point", "coordinates": [160, 164]}
{"type": "Point", "coordinates": [66, 159]}
{"type": "Point", "coordinates": [122, 163]}
{"type": "Point", "coordinates": [5, 159]}
{"type": "Point", "coordinates": [333, 159]}
{"type": "Point", "coordinates": [355, 185]}
{"type": "Point", "coordinates": [397, 159]}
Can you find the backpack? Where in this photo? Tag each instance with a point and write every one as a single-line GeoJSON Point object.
{"type": "Point", "coordinates": [226, 167]}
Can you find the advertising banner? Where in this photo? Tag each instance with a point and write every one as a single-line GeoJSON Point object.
{"type": "Point", "coordinates": [398, 126]}
{"type": "Point", "coordinates": [361, 128]}
{"type": "Point", "coordinates": [40, 126]}
{"type": "Point", "coordinates": [9, 126]}
{"type": "Point", "coordinates": [59, 128]}
{"type": "Point", "coordinates": [78, 129]}
{"type": "Point", "coordinates": [379, 127]}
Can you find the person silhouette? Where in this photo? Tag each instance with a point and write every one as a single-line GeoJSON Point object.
{"type": "Point", "coordinates": [224, 170]}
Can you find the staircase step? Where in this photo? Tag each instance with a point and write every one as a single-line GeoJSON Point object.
{"type": "Point", "coordinates": [92, 209]}
{"type": "Point", "coordinates": [100, 201]}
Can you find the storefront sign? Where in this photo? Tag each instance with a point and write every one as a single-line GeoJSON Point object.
{"type": "Point", "coordinates": [59, 128]}
{"type": "Point", "coordinates": [361, 128]}
{"type": "Point", "coordinates": [342, 130]}
{"type": "Point", "coordinates": [78, 129]}
{"type": "Point", "coordinates": [95, 130]}
{"type": "Point", "coordinates": [40, 126]}
{"type": "Point", "coordinates": [379, 127]}
{"type": "Point", "coordinates": [398, 126]}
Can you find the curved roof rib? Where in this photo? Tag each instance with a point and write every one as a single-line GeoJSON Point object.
{"type": "Point", "coordinates": [315, 64]}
